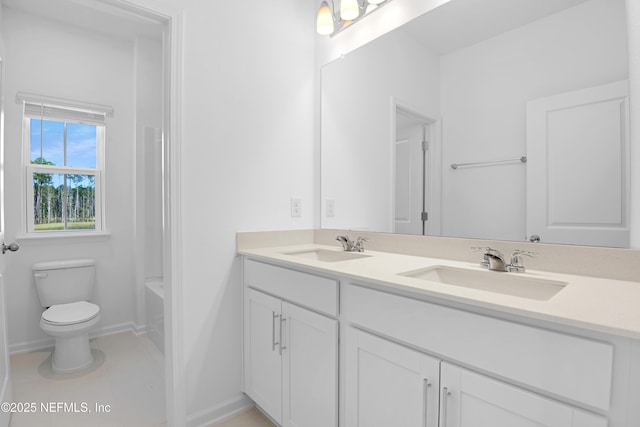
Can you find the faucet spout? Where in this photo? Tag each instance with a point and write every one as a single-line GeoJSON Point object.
{"type": "Point", "coordinates": [492, 259]}
{"type": "Point", "coordinates": [347, 244]}
{"type": "Point", "coordinates": [496, 260]}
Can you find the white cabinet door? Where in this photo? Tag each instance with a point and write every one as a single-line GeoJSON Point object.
{"type": "Point", "coordinates": [310, 368]}
{"type": "Point", "coordinates": [388, 384]}
{"type": "Point", "coordinates": [262, 361]}
{"type": "Point", "coordinates": [469, 399]}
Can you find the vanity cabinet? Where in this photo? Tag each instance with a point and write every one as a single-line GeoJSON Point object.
{"type": "Point", "coordinates": [537, 366]}
{"type": "Point", "coordinates": [290, 350]}
{"type": "Point", "coordinates": [390, 384]}
{"type": "Point", "coordinates": [416, 362]}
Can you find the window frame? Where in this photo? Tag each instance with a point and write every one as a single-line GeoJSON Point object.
{"type": "Point", "coordinates": [30, 168]}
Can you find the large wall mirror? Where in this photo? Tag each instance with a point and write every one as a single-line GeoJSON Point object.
{"type": "Point", "coordinates": [494, 119]}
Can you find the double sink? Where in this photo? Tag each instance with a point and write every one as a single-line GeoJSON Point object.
{"type": "Point", "coordinates": [513, 284]}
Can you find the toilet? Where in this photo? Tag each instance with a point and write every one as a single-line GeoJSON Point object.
{"type": "Point", "coordinates": [64, 288]}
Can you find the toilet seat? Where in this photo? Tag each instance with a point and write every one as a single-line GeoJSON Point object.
{"type": "Point", "coordinates": [70, 314]}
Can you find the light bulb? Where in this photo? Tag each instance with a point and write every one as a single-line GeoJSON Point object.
{"type": "Point", "coordinates": [324, 23]}
{"type": "Point", "coordinates": [349, 10]}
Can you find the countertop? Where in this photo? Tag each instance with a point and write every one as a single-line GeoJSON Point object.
{"type": "Point", "coordinates": [595, 304]}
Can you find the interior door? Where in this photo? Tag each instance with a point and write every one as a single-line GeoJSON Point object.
{"type": "Point", "coordinates": [577, 167]}
{"type": "Point", "coordinates": [410, 175]}
{"type": "Point", "coordinates": [5, 377]}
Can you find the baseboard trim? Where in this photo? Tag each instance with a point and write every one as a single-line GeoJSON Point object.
{"type": "Point", "coordinates": [42, 343]}
{"type": "Point", "coordinates": [220, 412]}
{"type": "Point", "coordinates": [140, 329]}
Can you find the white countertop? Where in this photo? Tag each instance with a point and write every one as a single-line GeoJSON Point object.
{"type": "Point", "coordinates": [596, 304]}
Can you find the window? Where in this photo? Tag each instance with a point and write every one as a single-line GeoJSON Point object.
{"type": "Point", "coordinates": [64, 162]}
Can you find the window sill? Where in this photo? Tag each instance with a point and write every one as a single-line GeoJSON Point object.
{"type": "Point", "coordinates": [66, 236]}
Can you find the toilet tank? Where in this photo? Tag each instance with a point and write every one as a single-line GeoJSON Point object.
{"type": "Point", "coordinates": [61, 282]}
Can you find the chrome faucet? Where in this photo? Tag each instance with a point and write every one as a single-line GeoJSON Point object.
{"type": "Point", "coordinates": [494, 260]}
{"type": "Point", "coordinates": [349, 245]}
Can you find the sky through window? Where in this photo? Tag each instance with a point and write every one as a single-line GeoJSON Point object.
{"type": "Point", "coordinates": [80, 144]}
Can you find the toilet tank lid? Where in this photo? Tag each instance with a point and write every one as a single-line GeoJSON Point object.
{"type": "Point", "coordinates": [67, 263]}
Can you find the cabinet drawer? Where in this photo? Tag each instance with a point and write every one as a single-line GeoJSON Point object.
{"type": "Point", "coordinates": [575, 368]}
{"type": "Point", "coordinates": [315, 292]}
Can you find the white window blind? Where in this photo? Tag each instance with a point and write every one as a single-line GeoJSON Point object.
{"type": "Point", "coordinates": [46, 107]}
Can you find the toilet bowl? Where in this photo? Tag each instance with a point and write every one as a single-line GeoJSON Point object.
{"type": "Point", "coordinates": [64, 288]}
{"type": "Point", "coordinates": [70, 324]}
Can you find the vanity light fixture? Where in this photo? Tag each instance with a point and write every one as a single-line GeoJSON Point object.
{"type": "Point", "coordinates": [350, 10]}
{"type": "Point", "coordinates": [324, 24]}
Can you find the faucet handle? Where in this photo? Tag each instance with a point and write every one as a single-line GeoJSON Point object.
{"type": "Point", "coordinates": [358, 245]}
{"type": "Point", "coordinates": [485, 250]}
{"type": "Point", "coordinates": [516, 260]}
{"type": "Point", "coordinates": [527, 253]}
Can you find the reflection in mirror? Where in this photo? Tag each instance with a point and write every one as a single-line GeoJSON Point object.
{"type": "Point", "coordinates": [483, 82]}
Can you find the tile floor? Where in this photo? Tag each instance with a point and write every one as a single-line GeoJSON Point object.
{"type": "Point", "coordinates": [250, 418]}
{"type": "Point", "coordinates": [128, 375]}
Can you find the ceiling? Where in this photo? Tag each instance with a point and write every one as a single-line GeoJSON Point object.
{"type": "Point", "coordinates": [461, 23]}
{"type": "Point", "coordinates": [94, 15]}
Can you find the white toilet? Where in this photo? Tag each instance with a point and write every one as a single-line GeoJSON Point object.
{"type": "Point", "coordinates": [64, 288]}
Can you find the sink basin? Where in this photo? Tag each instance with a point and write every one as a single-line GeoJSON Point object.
{"type": "Point", "coordinates": [491, 281]}
{"type": "Point", "coordinates": [325, 255]}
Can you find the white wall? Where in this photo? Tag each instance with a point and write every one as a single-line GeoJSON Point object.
{"type": "Point", "coordinates": [357, 126]}
{"type": "Point", "coordinates": [47, 58]}
{"type": "Point", "coordinates": [484, 92]}
{"type": "Point", "coordinates": [1, 39]}
{"type": "Point", "coordinates": [148, 167]}
{"type": "Point", "coordinates": [247, 147]}
{"type": "Point", "coordinates": [633, 24]}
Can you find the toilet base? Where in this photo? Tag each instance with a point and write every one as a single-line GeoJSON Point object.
{"type": "Point", "coordinates": [71, 354]}
{"type": "Point", "coordinates": [72, 351]}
